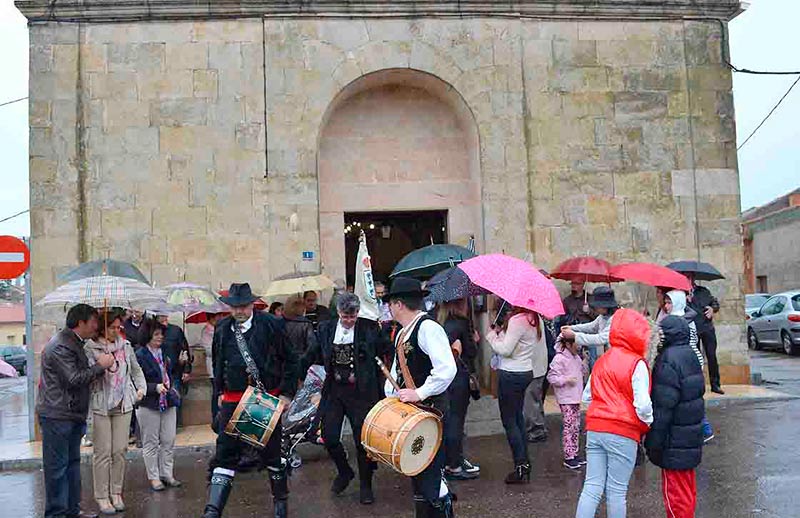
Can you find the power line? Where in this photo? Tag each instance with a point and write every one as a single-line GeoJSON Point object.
{"type": "Point", "coordinates": [769, 114]}
{"type": "Point", "coordinates": [15, 215]}
{"type": "Point", "coordinates": [763, 72]}
{"type": "Point", "coordinates": [12, 102]}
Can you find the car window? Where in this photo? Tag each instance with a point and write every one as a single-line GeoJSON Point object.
{"type": "Point", "coordinates": [770, 307]}
{"type": "Point", "coordinates": [796, 302]}
{"type": "Point", "coordinates": [755, 301]}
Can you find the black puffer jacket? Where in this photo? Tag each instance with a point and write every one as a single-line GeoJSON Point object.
{"type": "Point", "coordinates": [675, 440]}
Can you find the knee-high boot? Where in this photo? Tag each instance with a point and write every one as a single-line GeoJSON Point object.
{"type": "Point", "coordinates": [279, 482]}
{"type": "Point", "coordinates": [422, 508]}
{"type": "Point", "coordinates": [218, 491]}
{"type": "Point", "coordinates": [365, 470]}
{"type": "Point", "coordinates": [344, 471]}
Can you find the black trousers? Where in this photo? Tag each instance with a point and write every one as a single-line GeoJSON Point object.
{"type": "Point", "coordinates": [708, 337]}
{"type": "Point", "coordinates": [426, 485]}
{"type": "Point", "coordinates": [229, 449]}
{"type": "Point", "coordinates": [458, 394]}
{"type": "Point", "coordinates": [344, 400]}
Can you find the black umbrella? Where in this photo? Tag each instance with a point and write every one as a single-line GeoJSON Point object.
{"type": "Point", "coordinates": [701, 271]}
{"type": "Point", "coordinates": [452, 284]}
{"type": "Point", "coordinates": [104, 267]}
{"type": "Point", "coordinates": [430, 260]}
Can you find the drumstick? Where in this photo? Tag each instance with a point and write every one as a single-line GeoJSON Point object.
{"type": "Point", "coordinates": [387, 374]}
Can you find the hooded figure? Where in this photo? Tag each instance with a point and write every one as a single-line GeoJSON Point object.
{"type": "Point", "coordinates": [678, 300]}
{"type": "Point", "coordinates": [675, 439]}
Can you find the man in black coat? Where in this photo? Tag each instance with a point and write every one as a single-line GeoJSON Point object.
{"type": "Point", "coordinates": [347, 347]}
{"type": "Point", "coordinates": [277, 366]}
{"type": "Point", "coordinates": [675, 440]}
{"type": "Point", "coordinates": [706, 306]}
{"type": "Point", "coordinates": [62, 405]}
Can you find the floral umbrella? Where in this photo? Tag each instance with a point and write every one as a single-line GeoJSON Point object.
{"type": "Point", "coordinates": [190, 298]}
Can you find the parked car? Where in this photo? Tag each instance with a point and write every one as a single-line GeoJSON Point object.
{"type": "Point", "coordinates": [776, 323]}
{"type": "Point", "coordinates": [753, 302]}
{"type": "Point", "coordinates": [15, 356]}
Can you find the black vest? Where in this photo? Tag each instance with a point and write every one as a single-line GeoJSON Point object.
{"type": "Point", "coordinates": [419, 366]}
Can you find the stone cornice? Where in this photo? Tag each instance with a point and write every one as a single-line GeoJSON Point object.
{"type": "Point", "coordinates": [139, 10]}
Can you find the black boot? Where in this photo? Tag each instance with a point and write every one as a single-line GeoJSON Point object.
{"type": "Point", "coordinates": [442, 508]}
{"type": "Point", "coordinates": [365, 470]}
{"type": "Point", "coordinates": [520, 475]}
{"type": "Point", "coordinates": [279, 482]}
{"type": "Point", "coordinates": [344, 471]}
{"type": "Point", "coordinates": [218, 492]}
{"type": "Point", "coordinates": [422, 508]}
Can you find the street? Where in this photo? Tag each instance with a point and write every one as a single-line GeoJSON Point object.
{"type": "Point", "coordinates": [749, 470]}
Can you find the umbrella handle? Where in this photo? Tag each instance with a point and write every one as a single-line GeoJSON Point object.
{"type": "Point", "coordinates": [499, 312]}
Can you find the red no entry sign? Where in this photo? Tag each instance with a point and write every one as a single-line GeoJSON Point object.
{"type": "Point", "coordinates": [14, 257]}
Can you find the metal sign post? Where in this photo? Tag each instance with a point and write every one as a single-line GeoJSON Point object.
{"type": "Point", "coordinates": [30, 368]}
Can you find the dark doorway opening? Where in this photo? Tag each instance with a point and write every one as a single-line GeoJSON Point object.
{"type": "Point", "coordinates": [390, 236]}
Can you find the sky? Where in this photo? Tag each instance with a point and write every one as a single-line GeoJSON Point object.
{"type": "Point", "coordinates": [764, 37]}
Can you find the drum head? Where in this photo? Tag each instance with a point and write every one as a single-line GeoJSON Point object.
{"type": "Point", "coordinates": [419, 446]}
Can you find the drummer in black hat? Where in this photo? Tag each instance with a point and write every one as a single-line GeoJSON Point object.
{"type": "Point", "coordinates": [424, 367]}
{"type": "Point", "coordinates": [592, 337]}
{"type": "Point", "coordinates": [277, 365]}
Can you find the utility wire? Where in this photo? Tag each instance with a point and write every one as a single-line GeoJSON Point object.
{"type": "Point", "coordinates": [15, 215]}
{"type": "Point", "coordinates": [769, 114]}
{"type": "Point", "coordinates": [763, 72]}
{"type": "Point", "coordinates": [14, 101]}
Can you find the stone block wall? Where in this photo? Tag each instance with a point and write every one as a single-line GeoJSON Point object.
{"type": "Point", "coordinates": [149, 143]}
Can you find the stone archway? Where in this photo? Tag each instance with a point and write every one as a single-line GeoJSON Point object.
{"type": "Point", "coordinates": [397, 140]}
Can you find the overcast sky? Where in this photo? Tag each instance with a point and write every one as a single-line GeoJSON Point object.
{"type": "Point", "coordinates": [765, 37]}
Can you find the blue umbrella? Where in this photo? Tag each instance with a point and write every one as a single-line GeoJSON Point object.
{"type": "Point", "coordinates": [701, 271]}
{"type": "Point", "coordinates": [452, 284]}
{"type": "Point", "coordinates": [104, 267]}
{"type": "Point", "coordinates": [430, 260]}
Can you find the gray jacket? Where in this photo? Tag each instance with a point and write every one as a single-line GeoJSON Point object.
{"type": "Point", "coordinates": [98, 403]}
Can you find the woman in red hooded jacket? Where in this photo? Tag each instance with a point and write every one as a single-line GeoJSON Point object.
{"type": "Point", "coordinates": [620, 412]}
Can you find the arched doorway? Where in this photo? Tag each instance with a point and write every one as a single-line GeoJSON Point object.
{"type": "Point", "coordinates": [398, 153]}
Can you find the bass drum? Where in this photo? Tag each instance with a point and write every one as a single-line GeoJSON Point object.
{"type": "Point", "coordinates": [402, 436]}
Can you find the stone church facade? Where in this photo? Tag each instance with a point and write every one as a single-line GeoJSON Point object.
{"type": "Point", "coordinates": [218, 141]}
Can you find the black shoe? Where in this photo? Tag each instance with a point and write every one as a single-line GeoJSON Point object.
{"type": "Point", "coordinates": [708, 438]}
{"type": "Point", "coordinates": [341, 482]}
{"type": "Point", "coordinates": [537, 436]}
{"type": "Point", "coordinates": [520, 475]}
{"type": "Point", "coordinates": [459, 473]}
{"type": "Point", "coordinates": [581, 460]}
{"type": "Point", "coordinates": [573, 464]}
{"type": "Point", "coordinates": [470, 467]}
{"type": "Point", "coordinates": [281, 508]}
{"type": "Point", "coordinates": [717, 389]}
{"type": "Point", "coordinates": [442, 508]}
{"type": "Point", "coordinates": [218, 492]}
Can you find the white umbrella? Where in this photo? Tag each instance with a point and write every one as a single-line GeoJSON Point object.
{"type": "Point", "coordinates": [297, 283]}
{"type": "Point", "coordinates": [103, 291]}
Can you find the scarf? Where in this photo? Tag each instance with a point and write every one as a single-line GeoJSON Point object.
{"type": "Point", "coordinates": [158, 356]}
{"type": "Point", "coordinates": [116, 378]}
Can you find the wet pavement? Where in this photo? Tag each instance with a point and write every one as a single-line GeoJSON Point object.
{"type": "Point", "coordinates": [13, 409]}
{"type": "Point", "coordinates": [749, 470]}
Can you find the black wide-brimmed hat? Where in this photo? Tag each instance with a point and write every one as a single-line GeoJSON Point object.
{"type": "Point", "coordinates": [405, 287]}
{"type": "Point", "coordinates": [603, 297]}
{"type": "Point", "coordinates": [239, 295]}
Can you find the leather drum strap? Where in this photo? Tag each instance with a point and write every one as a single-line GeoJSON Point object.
{"type": "Point", "coordinates": [405, 333]}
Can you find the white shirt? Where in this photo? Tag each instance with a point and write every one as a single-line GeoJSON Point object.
{"type": "Point", "coordinates": [244, 326]}
{"type": "Point", "coordinates": [433, 342]}
{"type": "Point", "coordinates": [640, 382]}
{"type": "Point", "coordinates": [343, 335]}
{"type": "Point", "coordinates": [520, 348]}
{"type": "Point", "coordinates": [594, 333]}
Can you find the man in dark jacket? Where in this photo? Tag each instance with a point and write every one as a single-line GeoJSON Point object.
{"type": "Point", "coordinates": [277, 365]}
{"type": "Point", "coordinates": [62, 407]}
{"type": "Point", "coordinates": [706, 306]}
{"type": "Point", "coordinates": [347, 347]}
{"type": "Point", "coordinates": [675, 440]}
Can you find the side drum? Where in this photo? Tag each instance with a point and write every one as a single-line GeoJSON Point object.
{"type": "Point", "coordinates": [402, 436]}
{"type": "Point", "coordinates": [255, 417]}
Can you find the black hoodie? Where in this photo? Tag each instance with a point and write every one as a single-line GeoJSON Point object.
{"type": "Point", "coordinates": [675, 439]}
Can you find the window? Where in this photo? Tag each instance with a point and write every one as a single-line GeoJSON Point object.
{"type": "Point", "coordinates": [761, 281]}
{"type": "Point", "coordinates": [769, 307]}
{"type": "Point", "coordinates": [796, 302]}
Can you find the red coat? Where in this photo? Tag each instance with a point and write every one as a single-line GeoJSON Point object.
{"type": "Point", "coordinates": [611, 409]}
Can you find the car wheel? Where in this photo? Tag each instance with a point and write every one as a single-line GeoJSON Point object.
{"type": "Point", "coordinates": [752, 340]}
{"type": "Point", "coordinates": [788, 346]}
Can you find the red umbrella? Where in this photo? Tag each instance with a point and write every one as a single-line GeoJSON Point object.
{"type": "Point", "coordinates": [652, 275]}
{"type": "Point", "coordinates": [200, 317]}
{"type": "Point", "coordinates": [584, 269]}
{"type": "Point", "coordinates": [259, 304]}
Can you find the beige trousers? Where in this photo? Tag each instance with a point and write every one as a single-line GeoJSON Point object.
{"type": "Point", "coordinates": [110, 442]}
{"type": "Point", "coordinates": [158, 441]}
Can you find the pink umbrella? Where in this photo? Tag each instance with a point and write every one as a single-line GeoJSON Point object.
{"type": "Point", "coordinates": [7, 371]}
{"type": "Point", "coordinates": [517, 282]}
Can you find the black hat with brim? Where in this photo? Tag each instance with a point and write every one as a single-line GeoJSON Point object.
{"type": "Point", "coordinates": [239, 295]}
{"type": "Point", "coordinates": [603, 297]}
{"type": "Point", "coordinates": [405, 287]}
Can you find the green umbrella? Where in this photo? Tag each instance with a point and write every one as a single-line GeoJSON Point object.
{"type": "Point", "coordinates": [430, 260]}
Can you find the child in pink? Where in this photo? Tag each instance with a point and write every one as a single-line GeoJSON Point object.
{"type": "Point", "coordinates": [566, 375]}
